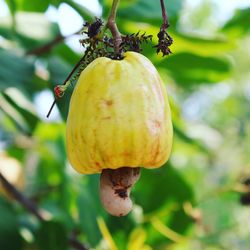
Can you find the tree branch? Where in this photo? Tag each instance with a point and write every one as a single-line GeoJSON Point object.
{"type": "Point", "coordinates": [33, 209]}
{"type": "Point", "coordinates": [28, 204]}
{"type": "Point", "coordinates": [48, 46]}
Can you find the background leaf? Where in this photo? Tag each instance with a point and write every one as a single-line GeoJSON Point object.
{"type": "Point", "coordinates": [239, 23]}
{"type": "Point", "coordinates": [35, 6]}
{"type": "Point", "coordinates": [89, 206]}
{"type": "Point", "coordinates": [9, 235]}
{"type": "Point", "coordinates": [52, 236]}
{"type": "Point", "coordinates": [150, 11]}
{"type": "Point", "coordinates": [15, 71]}
{"type": "Point", "coordinates": [188, 69]}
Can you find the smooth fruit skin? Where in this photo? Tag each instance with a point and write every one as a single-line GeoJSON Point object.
{"type": "Point", "coordinates": [119, 115]}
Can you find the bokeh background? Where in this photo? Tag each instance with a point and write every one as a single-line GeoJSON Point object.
{"type": "Point", "coordinates": [198, 200]}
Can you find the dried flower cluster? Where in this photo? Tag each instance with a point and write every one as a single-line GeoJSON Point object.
{"type": "Point", "coordinates": [98, 45]}
{"type": "Point", "coordinates": [103, 45]}
{"type": "Point", "coordinates": [164, 42]}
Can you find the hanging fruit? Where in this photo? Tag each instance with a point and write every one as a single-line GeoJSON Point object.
{"type": "Point", "coordinates": [119, 120]}
{"type": "Point", "coordinates": [119, 116]}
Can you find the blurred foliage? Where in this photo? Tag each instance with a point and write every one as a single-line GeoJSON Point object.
{"type": "Point", "coordinates": [191, 203]}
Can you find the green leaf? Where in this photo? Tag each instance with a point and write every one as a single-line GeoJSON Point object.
{"type": "Point", "coordinates": [26, 5]}
{"type": "Point", "coordinates": [9, 236]}
{"type": "Point", "coordinates": [42, 31]}
{"type": "Point", "coordinates": [200, 45]}
{"type": "Point", "coordinates": [89, 206]}
{"type": "Point", "coordinates": [34, 6]}
{"type": "Point", "coordinates": [51, 171]}
{"type": "Point", "coordinates": [150, 11]}
{"type": "Point", "coordinates": [162, 192]}
{"type": "Point", "coordinates": [66, 53]}
{"type": "Point", "coordinates": [239, 24]}
{"type": "Point", "coordinates": [188, 69]}
{"type": "Point", "coordinates": [166, 182]}
{"type": "Point", "coordinates": [219, 214]}
{"type": "Point", "coordinates": [82, 10]}
{"type": "Point", "coordinates": [22, 105]}
{"type": "Point", "coordinates": [120, 228]}
{"type": "Point", "coordinates": [6, 32]}
{"type": "Point", "coordinates": [15, 71]}
{"type": "Point", "coordinates": [183, 43]}
{"type": "Point", "coordinates": [14, 115]}
{"type": "Point", "coordinates": [52, 235]}
{"type": "Point", "coordinates": [12, 6]}
{"type": "Point", "coordinates": [51, 168]}
{"type": "Point", "coordinates": [183, 136]}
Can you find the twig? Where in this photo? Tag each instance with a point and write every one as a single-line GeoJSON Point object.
{"type": "Point", "coordinates": [111, 24]}
{"type": "Point", "coordinates": [68, 77]}
{"type": "Point", "coordinates": [165, 23]}
{"type": "Point", "coordinates": [48, 46]}
{"type": "Point", "coordinates": [32, 208]}
{"type": "Point", "coordinates": [28, 204]}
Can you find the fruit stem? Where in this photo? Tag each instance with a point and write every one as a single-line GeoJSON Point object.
{"type": "Point", "coordinates": [111, 24]}
{"type": "Point", "coordinates": [65, 81]}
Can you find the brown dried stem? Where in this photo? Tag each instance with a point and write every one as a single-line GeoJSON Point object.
{"type": "Point", "coordinates": [165, 23]}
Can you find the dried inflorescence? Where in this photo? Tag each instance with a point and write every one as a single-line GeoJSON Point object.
{"type": "Point", "coordinates": [93, 29]}
{"type": "Point", "coordinates": [164, 42]}
{"type": "Point", "coordinates": [134, 41]}
{"type": "Point", "coordinates": [99, 44]}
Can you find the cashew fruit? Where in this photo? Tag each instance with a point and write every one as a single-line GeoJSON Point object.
{"type": "Point", "coordinates": [119, 115]}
